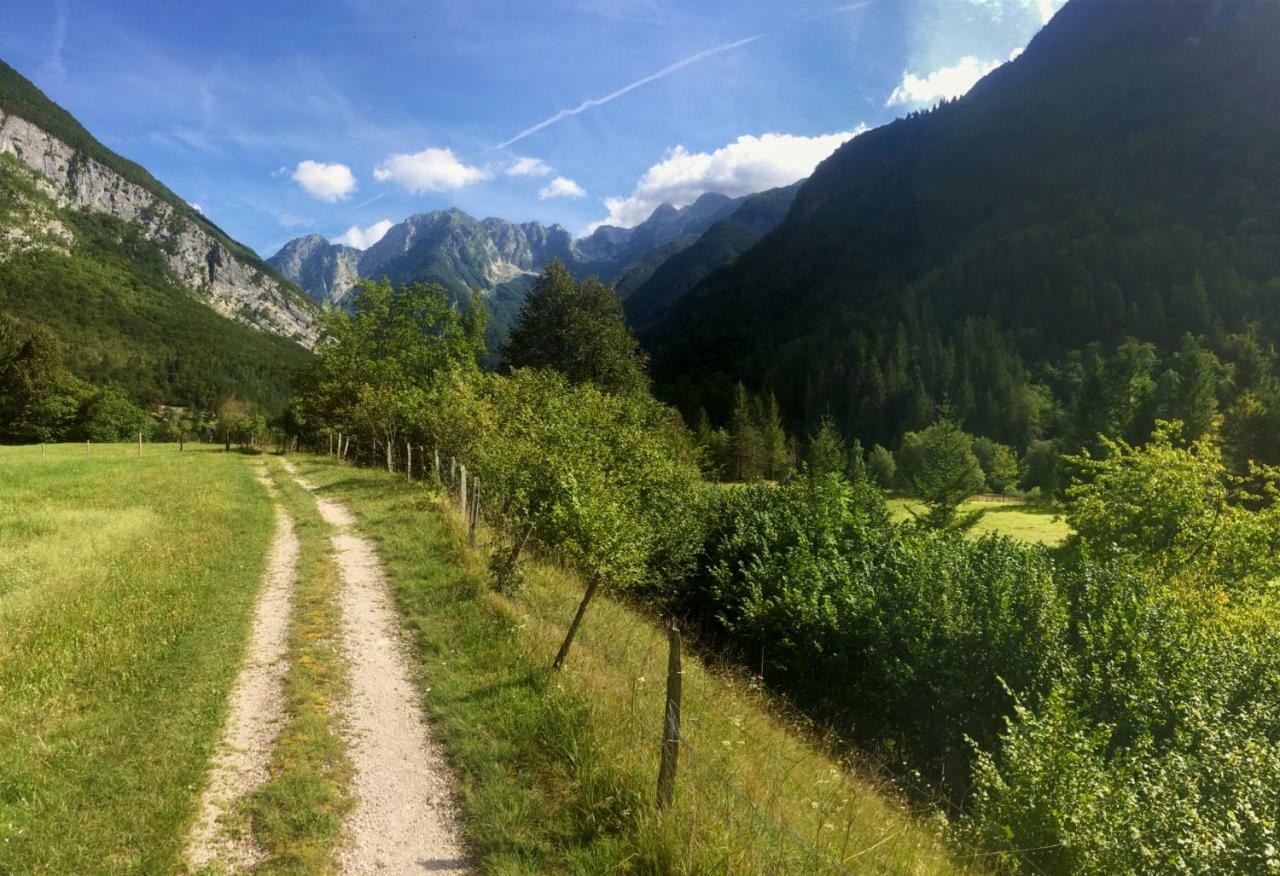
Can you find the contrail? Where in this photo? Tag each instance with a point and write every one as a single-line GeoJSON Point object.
{"type": "Point", "coordinates": [599, 101]}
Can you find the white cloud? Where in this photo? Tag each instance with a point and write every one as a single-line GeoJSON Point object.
{"type": "Point", "coordinates": [561, 187]}
{"type": "Point", "coordinates": [528, 167]}
{"type": "Point", "coordinates": [1045, 9]}
{"type": "Point", "coordinates": [194, 206]}
{"type": "Point", "coordinates": [749, 164]}
{"type": "Point", "coordinates": [328, 182]}
{"type": "Point", "coordinates": [947, 82]}
{"type": "Point", "coordinates": [431, 170]}
{"type": "Point", "coordinates": [363, 238]}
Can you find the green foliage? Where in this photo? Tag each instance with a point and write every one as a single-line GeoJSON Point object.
{"type": "Point", "coordinates": [999, 464]}
{"type": "Point", "coordinates": [375, 368]}
{"type": "Point", "coordinates": [1178, 510]}
{"type": "Point", "coordinates": [576, 328]}
{"type": "Point", "coordinates": [882, 467]}
{"type": "Point", "coordinates": [939, 466]}
{"type": "Point", "coordinates": [107, 415]}
{"type": "Point", "coordinates": [898, 635]}
{"type": "Point", "coordinates": [825, 452]}
{"type": "Point", "coordinates": [1039, 469]}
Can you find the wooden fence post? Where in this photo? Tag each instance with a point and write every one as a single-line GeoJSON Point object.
{"type": "Point", "coordinates": [408, 461]}
{"type": "Point", "coordinates": [475, 512]}
{"type": "Point", "coordinates": [462, 493]}
{"type": "Point", "coordinates": [670, 723]}
{"type": "Point", "coordinates": [139, 443]}
{"type": "Point", "coordinates": [436, 452]}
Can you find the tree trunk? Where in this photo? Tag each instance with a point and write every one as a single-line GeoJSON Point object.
{"type": "Point", "coordinates": [408, 461]}
{"type": "Point", "coordinates": [577, 621]}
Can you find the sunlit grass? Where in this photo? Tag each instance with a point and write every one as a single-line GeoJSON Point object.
{"type": "Point", "coordinates": [126, 584]}
{"type": "Point", "coordinates": [558, 772]}
{"type": "Point", "coordinates": [1021, 520]}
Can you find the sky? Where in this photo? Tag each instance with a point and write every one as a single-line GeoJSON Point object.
{"type": "Point", "coordinates": [342, 117]}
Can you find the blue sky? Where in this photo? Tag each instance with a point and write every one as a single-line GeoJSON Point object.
{"type": "Point", "coordinates": [282, 118]}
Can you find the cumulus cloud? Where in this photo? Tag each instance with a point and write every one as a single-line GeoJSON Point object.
{"type": "Point", "coordinates": [946, 82]}
{"type": "Point", "coordinates": [561, 187]}
{"type": "Point", "coordinates": [749, 164]}
{"type": "Point", "coordinates": [431, 170]}
{"type": "Point", "coordinates": [363, 238]}
{"type": "Point", "coordinates": [194, 206]}
{"type": "Point", "coordinates": [527, 167]}
{"type": "Point", "coordinates": [327, 182]}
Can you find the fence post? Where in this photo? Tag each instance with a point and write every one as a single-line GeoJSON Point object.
{"type": "Point", "coordinates": [408, 461]}
{"type": "Point", "coordinates": [139, 443]}
{"type": "Point", "coordinates": [475, 512]}
{"type": "Point", "coordinates": [462, 493]}
{"type": "Point", "coordinates": [670, 723]}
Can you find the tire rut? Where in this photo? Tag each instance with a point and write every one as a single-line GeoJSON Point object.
{"type": "Point", "coordinates": [403, 820]}
{"type": "Point", "coordinates": [256, 708]}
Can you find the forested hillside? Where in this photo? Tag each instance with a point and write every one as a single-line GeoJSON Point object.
{"type": "Point", "coordinates": [1116, 181]}
{"type": "Point", "coordinates": [112, 287]}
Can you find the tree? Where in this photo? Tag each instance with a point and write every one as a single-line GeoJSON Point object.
{"type": "Point", "coordinates": [940, 468]}
{"type": "Point", "coordinates": [775, 455]}
{"type": "Point", "coordinates": [825, 451]}
{"type": "Point", "coordinates": [882, 467]}
{"type": "Point", "coordinates": [999, 464]}
{"type": "Point", "coordinates": [39, 397]}
{"type": "Point", "coordinates": [746, 445]}
{"type": "Point", "coordinates": [375, 366]}
{"type": "Point", "coordinates": [236, 422]}
{"type": "Point", "coordinates": [1039, 469]}
{"type": "Point", "coordinates": [576, 328]}
{"type": "Point", "coordinates": [856, 468]}
{"type": "Point", "coordinates": [1176, 508]}
{"type": "Point", "coordinates": [107, 414]}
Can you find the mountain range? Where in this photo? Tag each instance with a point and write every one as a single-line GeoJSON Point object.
{"type": "Point", "coordinates": [501, 258]}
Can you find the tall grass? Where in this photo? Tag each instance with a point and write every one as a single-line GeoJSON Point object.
{"type": "Point", "coordinates": [557, 771]}
{"type": "Point", "coordinates": [126, 585]}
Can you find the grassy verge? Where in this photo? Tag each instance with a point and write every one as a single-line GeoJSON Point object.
{"type": "Point", "coordinates": [557, 772]}
{"type": "Point", "coordinates": [296, 816]}
{"type": "Point", "coordinates": [126, 587]}
{"type": "Point", "coordinates": [1019, 520]}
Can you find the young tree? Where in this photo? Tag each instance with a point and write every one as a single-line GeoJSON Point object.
{"type": "Point", "coordinates": [774, 452]}
{"type": "Point", "coordinates": [941, 469]}
{"type": "Point", "coordinates": [825, 452]}
{"type": "Point", "coordinates": [882, 467]}
{"type": "Point", "coordinates": [576, 328]}
{"type": "Point", "coordinates": [746, 446]}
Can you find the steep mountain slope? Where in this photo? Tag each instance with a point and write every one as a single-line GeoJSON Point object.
{"type": "Point", "coordinates": [140, 289]}
{"type": "Point", "coordinates": [1116, 179]}
{"type": "Point", "coordinates": [84, 175]}
{"type": "Point", "coordinates": [326, 271]}
{"type": "Point", "coordinates": [673, 278]}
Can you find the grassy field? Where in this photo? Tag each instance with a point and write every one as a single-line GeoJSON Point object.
{"type": "Point", "coordinates": [557, 771]}
{"type": "Point", "coordinates": [1019, 520]}
{"type": "Point", "coordinates": [126, 583]}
